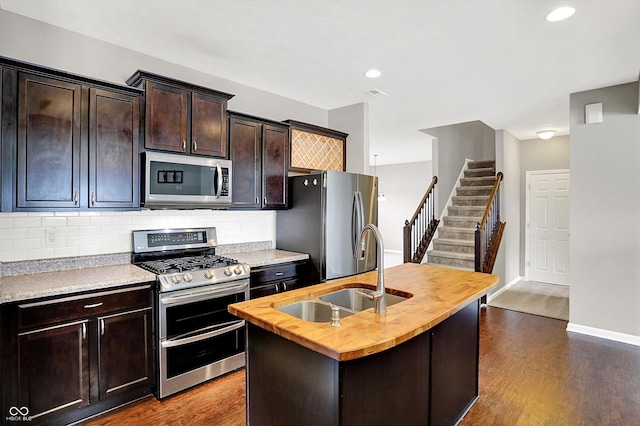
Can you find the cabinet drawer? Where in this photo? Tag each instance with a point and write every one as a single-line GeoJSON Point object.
{"type": "Point", "coordinates": [62, 309]}
{"type": "Point", "coordinates": [278, 272]}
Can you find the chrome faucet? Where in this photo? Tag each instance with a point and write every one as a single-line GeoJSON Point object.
{"type": "Point", "coordinates": [378, 295]}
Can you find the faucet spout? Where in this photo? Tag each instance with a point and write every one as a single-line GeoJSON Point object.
{"type": "Point", "coordinates": [378, 295]}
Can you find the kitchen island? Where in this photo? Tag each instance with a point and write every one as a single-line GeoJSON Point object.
{"type": "Point", "coordinates": [417, 364]}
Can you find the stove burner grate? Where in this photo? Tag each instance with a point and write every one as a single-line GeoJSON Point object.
{"type": "Point", "coordinates": [188, 263]}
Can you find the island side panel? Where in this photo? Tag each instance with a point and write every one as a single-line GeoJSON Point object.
{"type": "Point", "coordinates": [390, 387]}
{"type": "Point", "coordinates": [454, 365]}
{"type": "Point", "coordinates": [288, 384]}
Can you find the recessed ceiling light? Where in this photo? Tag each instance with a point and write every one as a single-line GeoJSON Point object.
{"type": "Point", "coordinates": [560, 13]}
{"type": "Point", "coordinates": [373, 73]}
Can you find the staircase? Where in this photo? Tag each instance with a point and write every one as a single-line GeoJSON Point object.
{"type": "Point", "coordinates": [455, 245]}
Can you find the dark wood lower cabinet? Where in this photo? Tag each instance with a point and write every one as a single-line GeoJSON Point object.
{"type": "Point", "coordinates": [60, 380]}
{"type": "Point", "coordinates": [431, 379]}
{"type": "Point", "coordinates": [122, 368]}
{"type": "Point", "coordinates": [68, 358]}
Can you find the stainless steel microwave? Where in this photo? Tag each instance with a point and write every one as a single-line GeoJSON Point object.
{"type": "Point", "coordinates": [174, 181]}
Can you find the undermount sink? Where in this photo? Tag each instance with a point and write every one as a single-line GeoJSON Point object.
{"type": "Point", "coordinates": [349, 300]}
{"type": "Point", "coordinates": [353, 299]}
{"type": "Point", "coordinates": [312, 310]}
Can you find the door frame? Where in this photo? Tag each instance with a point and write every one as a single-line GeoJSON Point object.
{"type": "Point", "coordinates": [527, 254]}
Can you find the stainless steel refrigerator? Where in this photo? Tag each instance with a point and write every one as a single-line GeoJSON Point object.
{"type": "Point", "coordinates": [327, 211]}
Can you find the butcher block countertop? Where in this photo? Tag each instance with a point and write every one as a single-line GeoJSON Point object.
{"type": "Point", "coordinates": [437, 293]}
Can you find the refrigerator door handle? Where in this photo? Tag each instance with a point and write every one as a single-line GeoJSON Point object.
{"type": "Point", "coordinates": [357, 223]}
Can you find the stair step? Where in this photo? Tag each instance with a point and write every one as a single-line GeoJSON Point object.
{"type": "Point", "coordinates": [474, 190]}
{"type": "Point", "coordinates": [471, 200]}
{"type": "Point", "coordinates": [461, 221]}
{"type": "Point", "coordinates": [449, 258]}
{"type": "Point", "coordinates": [466, 211]}
{"type": "Point", "coordinates": [481, 164]}
{"type": "Point", "coordinates": [489, 171]}
{"type": "Point", "coordinates": [478, 181]}
{"type": "Point", "coordinates": [453, 245]}
{"type": "Point", "coordinates": [454, 233]}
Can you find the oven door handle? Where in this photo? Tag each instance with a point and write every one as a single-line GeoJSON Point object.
{"type": "Point", "coordinates": [203, 336]}
{"type": "Point", "coordinates": [204, 294]}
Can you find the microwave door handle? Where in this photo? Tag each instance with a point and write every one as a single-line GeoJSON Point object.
{"type": "Point", "coordinates": [219, 173]}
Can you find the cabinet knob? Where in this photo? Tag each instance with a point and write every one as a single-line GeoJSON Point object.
{"type": "Point", "coordinates": [184, 145]}
{"type": "Point", "coordinates": [93, 198]}
{"type": "Point", "coordinates": [194, 146]}
{"type": "Point", "coordinates": [75, 198]}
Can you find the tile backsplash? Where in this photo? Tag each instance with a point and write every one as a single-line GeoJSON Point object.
{"type": "Point", "coordinates": [31, 236]}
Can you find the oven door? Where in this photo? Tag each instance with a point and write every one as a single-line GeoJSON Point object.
{"type": "Point", "coordinates": [181, 181]}
{"type": "Point", "coordinates": [199, 338]}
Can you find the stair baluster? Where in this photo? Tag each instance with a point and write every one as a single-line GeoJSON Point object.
{"type": "Point", "coordinates": [418, 232]}
{"type": "Point", "coordinates": [489, 231]}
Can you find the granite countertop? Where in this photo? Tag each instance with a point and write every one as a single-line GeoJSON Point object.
{"type": "Point", "coordinates": [435, 294]}
{"type": "Point", "coordinates": [44, 278]}
{"type": "Point", "coordinates": [267, 257]}
{"type": "Point", "coordinates": [45, 284]}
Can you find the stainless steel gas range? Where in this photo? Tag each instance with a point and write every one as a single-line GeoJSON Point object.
{"type": "Point", "coordinates": [197, 338]}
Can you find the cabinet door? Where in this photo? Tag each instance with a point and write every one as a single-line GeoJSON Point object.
{"type": "Point", "coordinates": [49, 162]}
{"type": "Point", "coordinates": [113, 149]}
{"type": "Point", "coordinates": [245, 149]}
{"type": "Point", "coordinates": [209, 127]}
{"type": "Point", "coordinates": [454, 365]}
{"type": "Point", "coordinates": [166, 117]}
{"type": "Point", "coordinates": [264, 290]}
{"type": "Point", "coordinates": [53, 368]}
{"type": "Point", "coordinates": [275, 166]}
{"type": "Point", "coordinates": [125, 351]}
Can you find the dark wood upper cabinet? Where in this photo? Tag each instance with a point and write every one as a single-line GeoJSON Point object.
{"type": "Point", "coordinates": [48, 146]}
{"type": "Point", "coordinates": [166, 117]}
{"type": "Point", "coordinates": [259, 151]}
{"type": "Point", "coordinates": [68, 142]}
{"type": "Point", "coordinates": [209, 125]}
{"type": "Point", "coordinates": [182, 117]}
{"type": "Point", "coordinates": [113, 149]}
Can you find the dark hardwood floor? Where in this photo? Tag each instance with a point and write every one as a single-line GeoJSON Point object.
{"type": "Point", "coordinates": [532, 372]}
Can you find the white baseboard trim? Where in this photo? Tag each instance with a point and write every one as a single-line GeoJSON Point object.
{"type": "Point", "coordinates": [604, 334]}
{"type": "Point", "coordinates": [503, 289]}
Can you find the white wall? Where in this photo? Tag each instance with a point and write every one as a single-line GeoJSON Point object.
{"type": "Point", "coordinates": [404, 186]}
{"type": "Point", "coordinates": [605, 212]}
{"type": "Point", "coordinates": [508, 150]}
{"type": "Point", "coordinates": [453, 144]}
{"type": "Point", "coordinates": [29, 40]}
{"type": "Point", "coordinates": [354, 120]}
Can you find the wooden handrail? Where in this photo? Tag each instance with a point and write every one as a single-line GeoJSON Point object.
{"type": "Point", "coordinates": [418, 232]}
{"type": "Point", "coordinates": [489, 231]}
{"type": "Point", "coordinates": [424, 200]}
{"type": "Point", "coordinates": [496, 188]}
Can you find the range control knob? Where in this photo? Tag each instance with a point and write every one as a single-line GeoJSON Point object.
{"type": "Point", "coordinates": [176, 279]}
{"type": "Point", "coordinates": [208, 274]}
{"type": "Point", "coordinates": [188, 277]}
{"type": "Point", "coordinates": [238, 270]}
{"type": "Point", "coordinates": [227, 271]}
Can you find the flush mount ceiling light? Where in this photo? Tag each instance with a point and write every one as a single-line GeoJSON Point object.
{"type": "Point", "coordinates": [373, 73]}
{"type": "Point", "coordinates": [560, 13]}
{"type": "Point", "coordinates": [546, 134]}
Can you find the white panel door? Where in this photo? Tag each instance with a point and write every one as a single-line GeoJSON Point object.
{"type": "Point", "coordinates": [548, 242]}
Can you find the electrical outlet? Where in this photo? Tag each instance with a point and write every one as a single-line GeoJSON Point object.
{"type": "Point", "coordinates": [50, 237]}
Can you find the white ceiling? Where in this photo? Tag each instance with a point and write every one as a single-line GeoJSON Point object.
{"type": "Point", "coordinates": [442, 61]}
